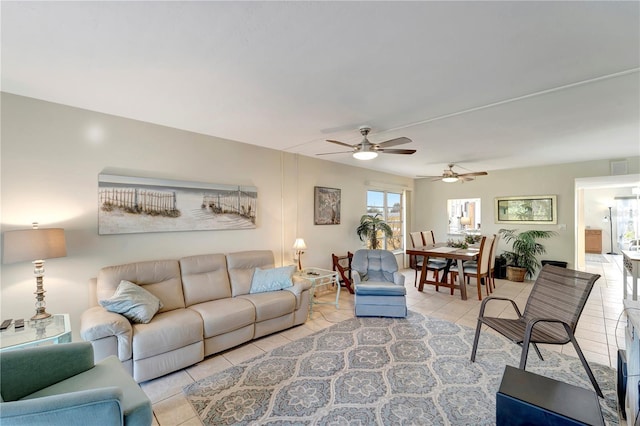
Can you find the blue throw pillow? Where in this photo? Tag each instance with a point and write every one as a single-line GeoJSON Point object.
{"type": "Point", "coordinates": [133, 302]}
{"type": "Point", "coordinates": [272, 279]}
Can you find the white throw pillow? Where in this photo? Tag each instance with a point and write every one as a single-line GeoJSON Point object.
{"type": "Point", "coordinates": [133, 302]}
{"type": "Point", "coordinates": [272, 279]}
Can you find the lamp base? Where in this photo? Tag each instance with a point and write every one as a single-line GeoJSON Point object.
{"type": "Point", "coordinates": [41, 315]}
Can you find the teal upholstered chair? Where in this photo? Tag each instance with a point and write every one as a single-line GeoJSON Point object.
{"type": "Point", "coordinates": [61, 385]}
{"type": "Point", "coordinates": [379, 287]}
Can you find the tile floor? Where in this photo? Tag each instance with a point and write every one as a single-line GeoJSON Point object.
{"type": "Point", "coordinates": [599, 332]}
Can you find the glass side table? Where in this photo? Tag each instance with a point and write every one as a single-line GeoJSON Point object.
{"type": "Point", "coordinates": [55, 329]}
{"type": "Point", "coordinates": [318, 277]}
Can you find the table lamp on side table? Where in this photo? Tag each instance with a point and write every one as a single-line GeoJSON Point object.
{"type": "Point", "coordinates": [299, 246]}
{"type": "Point", "coordinates": [39, 244]}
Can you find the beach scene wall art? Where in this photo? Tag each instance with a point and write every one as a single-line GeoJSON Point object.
{"type": "Point", "coordinates": [129, 204]}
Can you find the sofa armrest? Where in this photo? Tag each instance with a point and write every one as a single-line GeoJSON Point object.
{"type": "Point", "coordinates": [28, 370]}
{"type": "Point", "coordinates": [299, 286]}
{"type": "Point", "coordinates": [97, 323]}
{"type": "Point", "coordinates": [355, 277]}
{"type": "Point", "coordinates": [85, 407]}
{"type": "Point", "coordinates": [398, 278]}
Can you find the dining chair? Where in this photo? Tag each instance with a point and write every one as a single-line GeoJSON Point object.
{"type": "Point", "coordinates": [550, 315]}
{"type": "Point", "coordinates": [479, 270]}
{"type": "Point", "coordinates": [429, 238]}
{"type": "Point", "coordinates": [492, 262]}
{"type": "Point", "coordinates": [491, 259]}
{"type": "Point", "coordinates": [415, 262]}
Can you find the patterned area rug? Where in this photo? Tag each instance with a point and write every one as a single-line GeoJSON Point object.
{"type": "Point", "coordinates": [380, 371]}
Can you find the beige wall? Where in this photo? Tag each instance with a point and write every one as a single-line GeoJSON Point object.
{"type": "Point", "coordinates": [51, 156]}
{"type": "Point", "coordinates": [431, 200]}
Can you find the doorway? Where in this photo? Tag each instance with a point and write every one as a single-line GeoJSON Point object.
{"type": "Point", "coordinates": [593, 197]}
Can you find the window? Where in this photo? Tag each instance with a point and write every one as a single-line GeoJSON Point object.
{"type": "Point", "coordinates": [464, 215]}
{"type": "Point", "coordinates": [388, 205]}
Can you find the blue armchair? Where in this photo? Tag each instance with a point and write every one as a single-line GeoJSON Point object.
{"type": "Point", "coordinates": [61, 385]}
{"type": "Point", "coordinates": [379, 287]}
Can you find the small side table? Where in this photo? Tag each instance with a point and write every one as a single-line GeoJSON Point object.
{"type": "Point", "coordinates": [55, 329]}
{"type": "Point", "coordinates": [317, 277]}
{"type": "Point", "coordinates": [526, 398]}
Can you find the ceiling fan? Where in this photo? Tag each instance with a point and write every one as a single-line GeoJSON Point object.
{"type": "Point", "coordinates": [366, 150]}
{"type": "Point", "coordinates": [450, 176]}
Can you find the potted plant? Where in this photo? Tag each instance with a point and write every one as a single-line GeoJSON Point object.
{"type": "Point", "coordinates": [522, 261]}
{"type": "Point", "coordinates": [369, 227]}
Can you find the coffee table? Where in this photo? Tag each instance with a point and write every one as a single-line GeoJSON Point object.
{"type": "Point", "coordinates": [318, 277]}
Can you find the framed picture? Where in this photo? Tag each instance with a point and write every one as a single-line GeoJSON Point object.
{"type": "Point", "coordinates": [326, 207]}
{"type": "Point", "coordinates": [129, 204]}
{"type": "Point", "coordinates": [534, 209]}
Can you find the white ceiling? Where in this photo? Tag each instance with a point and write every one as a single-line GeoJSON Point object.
{"type": "Point", "coordinates": [489, 85]}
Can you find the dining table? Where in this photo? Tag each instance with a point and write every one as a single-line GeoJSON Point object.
{"type": "Point", "coordinates": [451, 254]}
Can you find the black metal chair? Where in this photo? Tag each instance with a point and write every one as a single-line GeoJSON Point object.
{"type": "Point", "coordinates": [550, 315]}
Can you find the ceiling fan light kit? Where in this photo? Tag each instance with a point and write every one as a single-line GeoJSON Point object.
{"type": "Point", "coordinates": [365, 155]}
{"type": "Point", "coordinates": [450, 179]}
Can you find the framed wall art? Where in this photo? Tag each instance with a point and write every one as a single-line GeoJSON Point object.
{"type": "Point", "coordinates": [133, 205]}
{"type": "Point", "coordinates": [326, 207]}
{"type": "Point", "coordinates": [535, 209]}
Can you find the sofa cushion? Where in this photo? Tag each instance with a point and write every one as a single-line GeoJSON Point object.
{"type": "Point", "coordinates": [241, 266]}
{"type": "Point", "coordinates": [225, 315]}
{"type": "Point", "coordinates": [271, 279]}
{"type": "Point", "coordinates": [159, 277]}
{"type": "Point", "coordinates": [132, 301]}
{"type": "Point", "coordinates": [272, 304]}
{"type": "Point", "coordinates": [204, 278]}
{"type": "Point", "coordinates": [168, 331]}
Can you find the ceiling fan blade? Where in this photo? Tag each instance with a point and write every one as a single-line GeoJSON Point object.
{"type": "Point", "coordinates": [397, 151]}
{"type": "Point", "coordinates": [340, 143]}
{"type": "Point", "coordinates": [473, 174]}
{"type": "Point", "coordinates": [393, 142]}
{"type": "Point", "coordinates": [338, 152]}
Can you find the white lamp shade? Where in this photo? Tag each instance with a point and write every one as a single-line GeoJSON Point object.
{"type": "Point", "coordinates": [465, 221]}
{"type": "Point", "coordinates": [33, 244]}
{"type": "Point", "coordinates": [450, 179]}
{"type": "Point", "coordinates": [299, 244]}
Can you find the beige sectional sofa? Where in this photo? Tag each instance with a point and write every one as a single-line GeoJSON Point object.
{"type": "Point", "coordinates": [207, 308]}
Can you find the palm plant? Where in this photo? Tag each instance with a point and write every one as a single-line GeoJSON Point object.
{"type": "Point", "coordinates": [525, 248]}
{"type": "Point", "coordinates": [369, 228]}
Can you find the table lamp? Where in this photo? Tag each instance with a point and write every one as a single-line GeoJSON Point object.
{"type": "Point", "coordinates": [299, 246]}
{"type": "Point", "coordinates": [465, 221]}
{"type": "Point", "coordinates": [38, 244]}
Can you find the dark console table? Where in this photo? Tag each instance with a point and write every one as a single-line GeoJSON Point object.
{"type": "Point", "coordinates": [526, 398]}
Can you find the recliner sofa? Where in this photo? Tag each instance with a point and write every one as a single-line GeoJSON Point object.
{"type": "Point", "coordinates": [207, 308]}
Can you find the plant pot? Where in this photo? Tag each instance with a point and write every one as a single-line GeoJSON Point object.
{"type": "Point", "coordinates": [516, 274]}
